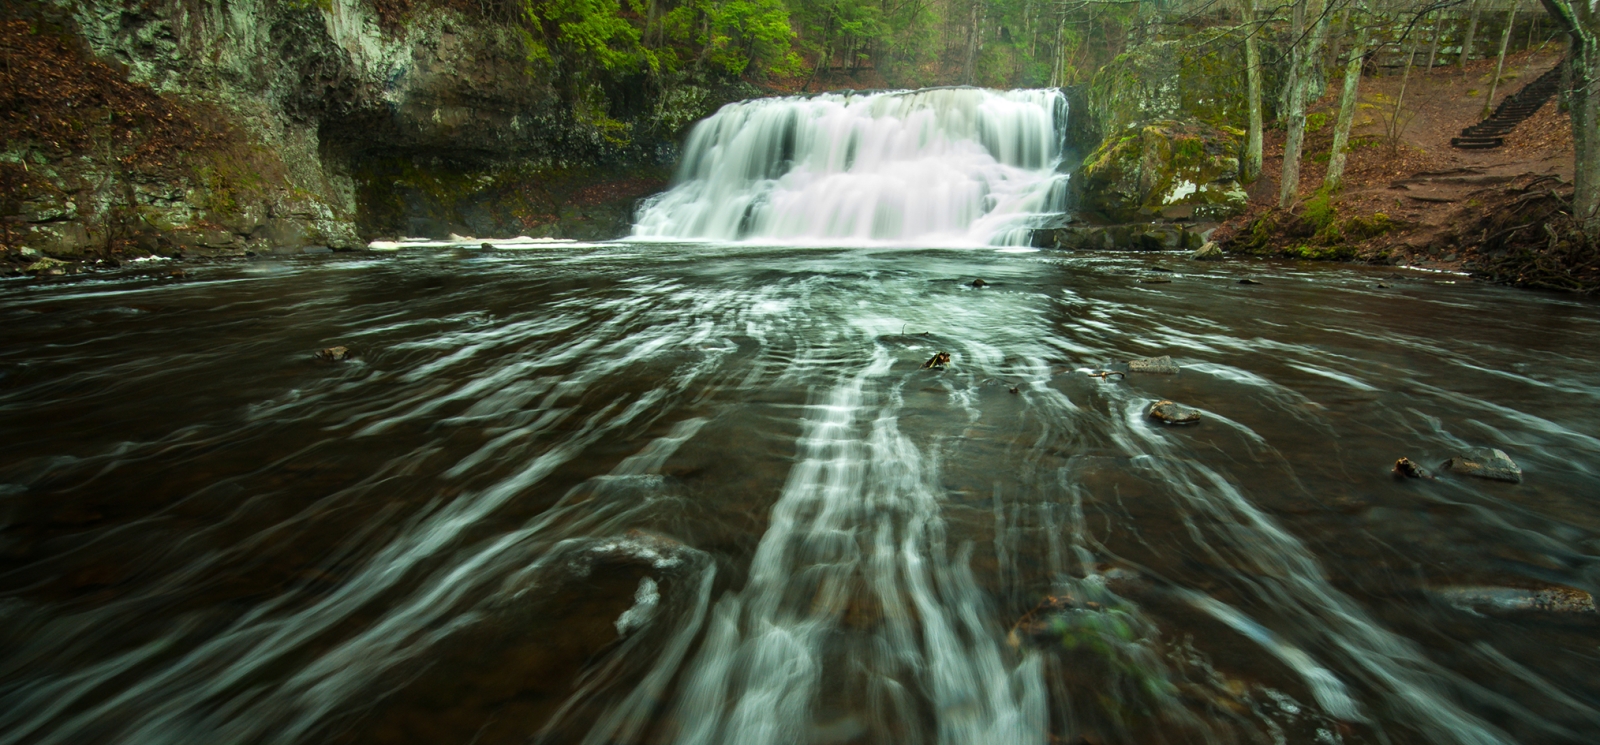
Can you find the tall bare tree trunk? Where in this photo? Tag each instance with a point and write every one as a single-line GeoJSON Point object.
{"type": "Point", "coordinates": [968, 71]}
{"type": "Point", "coordinates": [1472, 31]}
{"type": "Point", "coordinates": [1252, 57]}
{"type": "Point", "coordinates": [1433, 46]}
{"type": "Point", "coordinates": [1347, 114]}
{"type": "Point", "coordinates": [1581, 20]}
{"type": "Point", "coordinates": [1304, 62]}
{"type": "Point", "coordinates": [1500, 66]}
{"type": "Point", "coordinates": [1400, 99]}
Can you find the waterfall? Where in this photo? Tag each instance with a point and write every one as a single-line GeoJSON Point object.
{"type": "Point", "coordinates": [941, 166]}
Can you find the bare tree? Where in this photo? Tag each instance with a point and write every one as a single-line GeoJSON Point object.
{"type": "Point", "coordinates": [1347, 113]}
{"type": "Point", "coordinates": [1472, 31]}
{"type": "Point", "coordinates": [1301, 69]}
{"type": "Point", "coordinates": [1252, 57]}
{"type": "Point", "coordinates": [1580, 19]}
{"type": "Point", "coordinates": [1500, 66]}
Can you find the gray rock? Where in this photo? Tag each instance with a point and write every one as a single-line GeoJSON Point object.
{"type": "Point", "coordinates": [1209, 252]}
{"type": "Point", "coordinates": [1486, 463]}
{"type": "Point", "coordinates": [1514, 599]}
{"type": "Point", "coordinates": [1158, 365]}
{"type": "Point", "coordinates": [1173, 413]}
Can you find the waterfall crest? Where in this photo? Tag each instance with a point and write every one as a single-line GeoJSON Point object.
{"type": "Point", "coordinates": [941, 166]}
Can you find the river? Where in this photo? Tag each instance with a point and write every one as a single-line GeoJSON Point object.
{"type": "Point", "coordinates": [705, 493]}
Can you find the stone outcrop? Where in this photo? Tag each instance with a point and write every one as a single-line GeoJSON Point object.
{"type": "Point", "coordinates": [322, 124]}
{"type": "Point", "coordinates": [1164, 169]}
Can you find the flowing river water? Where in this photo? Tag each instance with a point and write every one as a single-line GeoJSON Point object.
{"type": "Point", "coordinates": [630, 493]}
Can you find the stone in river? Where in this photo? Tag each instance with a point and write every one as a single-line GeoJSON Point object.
{"type": "Point", "coordinates": [1554, 599]}
{"type": "Point", "coordinates": [1486, 463]}
{"type": "Point", "coordinates": [1173, 413]}
{"type": "Point", "coordinates": [1159, 365]}
{"type": "Point", "coordinates": [1208, 252]}
{"type": "Point", "coordinates": [979, 283]}
{"type": "Point", "coordinates": [1248, 282]}
{"type": "Point", "coordinates": [334, 354]}
{"type": "Point", "coordinates": [1405, 469]}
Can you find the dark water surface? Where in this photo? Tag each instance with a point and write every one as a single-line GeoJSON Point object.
{"type": "Point", "coordinates": [624, 493]}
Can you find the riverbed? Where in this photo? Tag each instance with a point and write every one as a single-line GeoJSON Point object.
{"type": "Point", "coordinates": [695, 493]}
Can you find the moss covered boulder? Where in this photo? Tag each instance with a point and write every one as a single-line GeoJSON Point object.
{"type": "Point", "coordinates": [1164, 169]}
{"type": "Point", "coordinates": [1201, 78]}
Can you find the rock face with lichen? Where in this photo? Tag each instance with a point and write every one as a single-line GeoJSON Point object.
{"type": "Point", "coordinates": [1164, 169]}
{"type": "Point", "coordinates": [324, 123]}
{"type": "Point", "coordinates": [1169, 117]}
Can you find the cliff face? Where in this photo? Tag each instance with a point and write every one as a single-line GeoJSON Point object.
{"type": "Point", "coordinates": [312, 123]}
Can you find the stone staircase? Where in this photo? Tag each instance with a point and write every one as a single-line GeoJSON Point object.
{"type": "Point", "coordinates": [1490, 133]}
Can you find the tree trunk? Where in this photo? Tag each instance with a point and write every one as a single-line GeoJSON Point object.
{"type": "Point", "coordinates": [1294, 117]}
{"type": "Point", "coordinates": [1472, 31]}
{"type": "Point", "coordinates": [1500, 66]}
{"type": "Point", "coordinates": [1299, 95]}
{"type": "Point", "coordinates": [1347, 114]}
{"type": "Point", "coordinates": [1433, 46]}
{"type": "Point", "coordinates": [1252, 56]}
{"type": "Point", "coordinates": [1400, 99]}
{"type": "Point", "coordinates": [968, 71]}
{"type": "Point", "coordinates": [1581, 21]}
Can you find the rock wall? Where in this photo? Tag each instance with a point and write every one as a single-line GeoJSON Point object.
{"type": "Point", "coordinates": [1168, 116]}
{"type": "Point", "coordinates": [321, 125]}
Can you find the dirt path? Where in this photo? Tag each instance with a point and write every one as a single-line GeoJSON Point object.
{"type": "Point", "coordinates": [1416, 179]}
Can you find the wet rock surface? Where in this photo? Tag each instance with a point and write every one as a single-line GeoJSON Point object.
{"type": "Point", "coordinates": [1405, 469]}
{"type": "Point", "coordinates": [1208, 252]}
{"type": "Point", "coordinates": [1162, 365]}
{"type": "Point", "coordinates": [1170, 412]}
{"type": "Point", "coordinates": [1485, 463]}
{"type": "Point", "coordinates": [1516, 599]}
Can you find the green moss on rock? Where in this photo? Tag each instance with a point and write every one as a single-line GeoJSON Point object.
{"type": "Point", "coordinates": [1165, 169]}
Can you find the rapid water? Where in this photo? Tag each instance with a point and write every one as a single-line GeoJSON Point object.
{"type": "Point", "coordinates": [705, 494]}
{"type": "Point", "coordinates": [942, 166]}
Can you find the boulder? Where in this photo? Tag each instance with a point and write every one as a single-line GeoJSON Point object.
{"type": "Point", "coordinates": [47, 266]}
{"type": "Point", "coordinates": [1554, 599]}
{"type": "Point", "coordinates": [1145, 171]}
{"type": "Point", "coordinates": [1170, 412]}
{"type": "Point", "coordinates": [1162, 365]}
{"type": "Point", "coordinates": [1486, 463]}
{"type": "Point", "coordinates": [1209, 252]}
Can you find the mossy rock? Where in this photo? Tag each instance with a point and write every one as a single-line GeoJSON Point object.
{"type": "Point", "coordinates": [1163, 168]}
{"type": "Point", "coordinates": [1200, 78]}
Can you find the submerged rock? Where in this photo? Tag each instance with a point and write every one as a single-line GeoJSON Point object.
{"type": "Point", "coordinates": [1486, 463]}
{"type": "Point", "coordinates": [1158, 365]}
{"type": "Point", "coordinates": [1248, 282]}
{"type": "Point", "coordinates": [47, 266]}
{"type": "Point", "coordinates": [937, 362]}
{"type": "Point", "coordinates": [979, 283]}
{"type": "Point", "coordinates": [1405, 469]}
{"type": "Point", "coordinates": [334, 354]}
{"type": "Point", "coordinates": [1512, 599]}
{"type": "Point", "coordinates": [1173, 413]}
{"type": "Point", "coordinates": [1209, 252]}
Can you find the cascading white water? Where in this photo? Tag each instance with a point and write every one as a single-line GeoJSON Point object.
{"type": "Point", "coordinates": [945, 166]}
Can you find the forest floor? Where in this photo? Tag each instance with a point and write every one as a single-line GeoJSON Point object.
{"type": "Point", "coordinates": [1412, 199]}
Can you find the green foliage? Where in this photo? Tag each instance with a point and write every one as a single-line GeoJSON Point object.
{"type": "Point", "coordinates": [1316, 121]}
{"type": "Point", "coordinates": [591, 31]}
